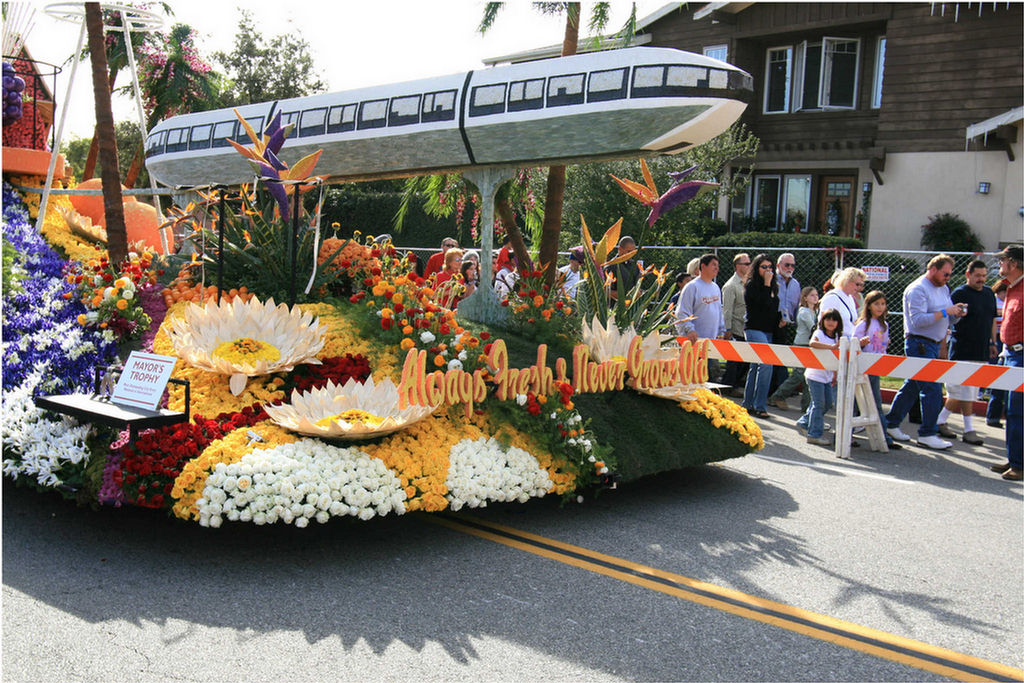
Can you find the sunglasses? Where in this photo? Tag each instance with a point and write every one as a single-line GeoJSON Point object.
{"type": "Point", "coordinates": [765, 266]}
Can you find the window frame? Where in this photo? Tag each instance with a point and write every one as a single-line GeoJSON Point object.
{"type": "Point", "coordinates": [487, 109]}
{"type": "Point", "coordinates": [756, 197]}
{"type": "Point", "coordinates": [608, 95]}
{"type": "Point", "coordinates": [713, 48]}
{"type": "Point", "coordinates": [525, 104]}
{"type": "Point", "coordinates": [372, 124]}
{"type": "Point", "coordinates": [441, 113]}
{"type": "Point", "coordinates": [395, 119]}
{"type": "Point", "coordinates": [342, 126]}
{"type": "Point", "coordinates": [879, 73]}
{"type": "Point", "coordinates": [222, 141]}
{"type": "Point", "coordinates": [321, 128]}
{"type": "Point", "coordinates": [568, 99]}
{"type": "Point", "coordinates": [784, 205]}
{"type": "Point", "coordinates": [786, 108]}
{"type": "Point", "coordinates": [825, 80]}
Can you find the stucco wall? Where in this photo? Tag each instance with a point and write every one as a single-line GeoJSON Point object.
{"type": "Point", "coordinates": [920, 185]}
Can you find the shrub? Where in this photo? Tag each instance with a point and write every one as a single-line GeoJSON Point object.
{"type": "Point", "coordinates": [784, 240]}
{"type": "Point", "coordinates": [949, 232]}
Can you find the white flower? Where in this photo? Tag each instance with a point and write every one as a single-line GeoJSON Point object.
{"type": "Point", "coordinates": [427, 337]}
{"type": "Point", "coordinates": [482, 470]}
{"type": "Point", "coordinates": [554, 416]}
{"type": "Point", "coordinates": [521, 399]}
{"type": "Point", "coordinates": [463, 355]}
{"type": "Point", "coordinates": [128, 294]}
{"type": "Point", "coordinates": [455, 364]}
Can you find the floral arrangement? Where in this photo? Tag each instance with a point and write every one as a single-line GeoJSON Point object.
{"type": "Point", "coordinates": [542, 312]}
{"type": "Point", "coordinates": [723, 413]}
{"type": "Point", "coordinates": [297, 482]}
{"type": "Point", "coordinates": [110, 294]}
{"type": "Point", "coordinates": [240, 466]}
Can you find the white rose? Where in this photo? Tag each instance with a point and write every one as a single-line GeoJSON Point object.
{"type": "Point", "coordinates": [427, 337]}
{"type": "Point", "coordinates": [302, 522]}
{"type": "Point", "coordinates": [128, 294]}
{"type": "Point", "coordinates": [455, 364]}
{"type": "Point", "coordinates": [521, 399]}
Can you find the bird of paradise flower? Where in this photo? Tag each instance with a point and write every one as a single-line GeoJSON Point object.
{"type": "Point", "coordinates": [280, 179]}
{"type": "Point", "coordinates": [680, 191]}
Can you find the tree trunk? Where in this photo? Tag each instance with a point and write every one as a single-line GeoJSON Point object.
{"type": "Point", "coordinates": [130, 180]}
{"type": "Point", "coordinates": [117, 238]}
{"type": "Point", "coordinates": [508, 219]}
{"type": "Point", "coordinates": [94, 147]}
{"type": "Point", "coordinates": [548, 253]}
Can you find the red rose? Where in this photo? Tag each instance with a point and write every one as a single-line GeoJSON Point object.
{"type": "Point", "coordinates": [484, 336]}
{"type": "Point", "coordinates": [386, 323]}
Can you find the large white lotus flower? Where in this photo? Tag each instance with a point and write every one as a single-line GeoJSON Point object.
{"type": "Point", "coordinates": [611, 344]}
{"type": "Point", "coordinates": [353, 411]}
{"type": "Point", "coordinates": [246, 338]}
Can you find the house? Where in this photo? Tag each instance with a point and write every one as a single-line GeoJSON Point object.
{"type": "Point", "coordinates": [872, 116]}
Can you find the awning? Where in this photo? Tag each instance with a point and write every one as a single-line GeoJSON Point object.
{"type": "Point", "coordinates": [988, 125]}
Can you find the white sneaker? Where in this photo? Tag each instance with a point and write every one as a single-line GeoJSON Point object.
{"type": "Point", "coordinates": [933, 442]}
{"type": "Point", "coordinates": [898, 434]}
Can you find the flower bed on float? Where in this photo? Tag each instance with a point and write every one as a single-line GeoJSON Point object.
{"type": "Point", "coordinates": [346, 405]}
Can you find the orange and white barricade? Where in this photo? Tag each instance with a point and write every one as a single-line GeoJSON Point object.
{"type": "Point", "coordinates": [852, 366]}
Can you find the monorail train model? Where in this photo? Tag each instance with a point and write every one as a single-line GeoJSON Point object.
{"type": "Point", "coordinates": [604, 105]}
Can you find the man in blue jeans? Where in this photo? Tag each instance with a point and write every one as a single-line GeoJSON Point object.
{"type": "Point", "coordinates": [1011, 267]}
{"type": "Point", "coordinates": [927, 308]}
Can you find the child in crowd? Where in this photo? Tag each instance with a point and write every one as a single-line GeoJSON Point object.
{"type": "Point", "coordinates": [830, 329]}
{"type": "Point", "coordinates": [872, 324]}
{"type": "Point", "coordinates": [806, 318]}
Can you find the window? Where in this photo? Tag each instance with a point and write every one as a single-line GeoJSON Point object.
{"type": "Point", "coordinates": [438, 106]}
{"type": "Point", "coordinates": [176, 140]}
{"type": "Point", "coordinates": [719, 52]}
{"type": "Point", "coordinates": [487, 99]}
{"type": "Point", "coordinates": [524, 95]}
{"type": "Point", "coordinates": [778, 72]}
{"type": "Point", "coordinates": [876, 90]}
{"type": "Point", "coordinates": [313, 122]}
{"type": "Point", "coordinates": [607, 85]}
{"type": "Point", "coordinates": [796, 202]}
{"type": "Point", "coordinates": [341, 119]}
{"type": "Point", "coordinates": [404, 110]}
{"type": "Point", "coordinates": [766, 201]}
{"type": "Point", "coordinates": [255, 122]}
{"type": "Point", "coordinates": [373, 114]}
{"type": "Point", "coordinates": [823, 76]}
{"type": "Point", "coordinates": [839, 73]}
{"type": "Point", "coordinates": [289, 117]}
{"type": "Point", "coordinates": [155, 143]}
{"type": "Point", "coordinates": [221, 132]}
{"type": "Point", "coordinates": [565, 90]}
{"type": "Point", "coordinates": [199, 137]}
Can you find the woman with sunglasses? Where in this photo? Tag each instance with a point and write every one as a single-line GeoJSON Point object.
{"type": "Point", "coordinates": [761, 295]}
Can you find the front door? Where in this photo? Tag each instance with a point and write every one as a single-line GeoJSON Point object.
{"type": "Point", "coordinates": [836, 204]}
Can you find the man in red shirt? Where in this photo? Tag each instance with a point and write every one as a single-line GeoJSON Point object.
{"type": "Point", "coordinates": [1011, 268]}
{"type": "Point", "coordinates": [436, 262]}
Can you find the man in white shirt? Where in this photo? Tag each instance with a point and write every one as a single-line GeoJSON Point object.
{"type": "Point", "coordinates": [571, 272]}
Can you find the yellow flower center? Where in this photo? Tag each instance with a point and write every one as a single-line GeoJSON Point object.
{"type": "Point", "coordinates": [350, 416]}
{"type": "Point", "coordinates": [247, 350]}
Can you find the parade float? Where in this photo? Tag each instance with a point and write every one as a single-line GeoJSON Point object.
{"type": "Point", "coordinates": [315, 378]}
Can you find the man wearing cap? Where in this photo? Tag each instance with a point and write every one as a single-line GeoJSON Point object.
{"type": "Point", "coordinates": [927, 309]}
{"type": "Point", "coordinates": [570, 273]}
{"type": "Point", "coordinates": [1011, 268]}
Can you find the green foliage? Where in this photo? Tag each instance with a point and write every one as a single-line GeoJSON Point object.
{"type": "Point", "coordinates": [12, 273]}
{"type": "Point", "coordinates": [259, 70]}
{"type": "Point", "coordinates": [784, 240]}
{"type": "Point", "coordinates": [128, 137]}
{"type": "Point", "coordinates": [370, 208]}
{"type": "Point", "coordinates": [257, 250]}
{"type": "Point", "coordinates": [644, 306]}
{"type": "Point", "coordinates": [949, 232]}
{"type": "Point", "coordinates": [589, 190]}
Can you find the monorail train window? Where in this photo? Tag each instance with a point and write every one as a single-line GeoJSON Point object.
{"type": "Point", "coordinates": [255, 122]}
{"type": "Point", "coordinates": [438, 106]}
{"type": "Point", "coordinates": [176, 140]}
{"type": "Point", "coordinates": [607, 85]}
{"type": "Point", "coordinates": [404, 110]}
{"type": "Point", "coordinates": [289, 117]}
{"type": "Point", "coordinates": [313, 122]}
{"type": "Point", "coordinates": [487, 99]}
{"type": "Point", "coordinates": [718, 79]}
{"type": "Point", "coordinates": [341, 119]}
{"type": "Point", "coordinates": [221, 132]}
{"type": "Point", "coordinates": [686, 77]}
{"type": "Point", "coordinates": [199, 138]}
{"type": "Point", "coordinates": [524, 95]}
{"type": "Point", "coordinates": [155, 143]}
{"type": "Point", "coordinates": [373, 114]}
{"type": "Point", "coordinates": [563, 90]}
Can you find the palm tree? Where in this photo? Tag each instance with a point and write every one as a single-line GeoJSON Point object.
{"type": "Point", "coordinates": [555, 194]}
{"type": "Point", "coordinates": [117, 235]}
{"type": "Point", "coordinates": [174, 80]}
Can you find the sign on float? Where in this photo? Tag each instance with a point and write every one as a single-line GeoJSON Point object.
{"type": "Point", "coordinates": [143, 380]}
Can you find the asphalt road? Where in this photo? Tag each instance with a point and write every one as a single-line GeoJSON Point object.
{"type": "Point", "coordinates": [923, 545]}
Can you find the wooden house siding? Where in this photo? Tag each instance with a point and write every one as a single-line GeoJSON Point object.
{"type": "Point", "coordinates": [944, 73]}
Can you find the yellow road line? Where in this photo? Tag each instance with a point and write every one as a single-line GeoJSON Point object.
{"type": "Point", "coordinates": [847, 634]}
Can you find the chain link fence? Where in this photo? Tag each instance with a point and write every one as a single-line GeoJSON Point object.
{"type": "Point", "coordinates": [888, 271]}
